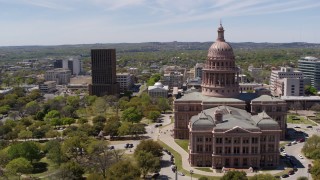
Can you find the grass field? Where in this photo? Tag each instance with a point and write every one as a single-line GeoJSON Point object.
{"type": "Point", "coordinates": [294, 119]}
{"type": "Point", "coordinates": [206, 169]}
{"type": "Point", "coordinates": [184, 143]}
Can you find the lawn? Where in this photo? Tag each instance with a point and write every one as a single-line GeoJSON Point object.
{"type": "Point", "coordinates": [206, 169]}
{"type": "Point", "coordinates": [294, 119]}
{"type": "Point", "coordinates": [184, 143]}
{"type": "Point", "coordinates": [178, 162]}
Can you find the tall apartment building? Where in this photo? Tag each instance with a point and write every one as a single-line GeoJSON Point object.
{"type": "Point", "coordinates": [61, 76]}
{"type": "Point", "coordinates": [104, 79]}
{"type": "Point", "coordinates": [73, 64]}
{"type": "Point", "coordinates": [287, 82]}
{"type": "Point", "coordinates": [310, 67]}
{"type": "Point", "coordinates": [125, 81]}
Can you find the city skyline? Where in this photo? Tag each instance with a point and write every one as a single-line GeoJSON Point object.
{"type": "Point", "coordinates": [57, 22]}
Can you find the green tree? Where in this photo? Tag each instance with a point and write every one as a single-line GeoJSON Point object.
{"type": "Point", "coordinates": [116, 171]}
{"type": "Point", "coordinates": [73, 101]}
{"type": "Point", "coordinates": [111, 127]}
{"type": "Point", "coordinates": [40, 116]}
{"type": "Point", "coordinates": [29, 150]}
{"type": "Point", "coordinates": [99, 118]}
{"type": "Point", "coordinates": [4, 109]}
{"type": "Point", "coordinates": [147, 162]}
{"type": "Point", "coordinates": [100, 157]}
{"type": "Point", "coordinates": [132, 115]}
{"type": "Point", "coordinates": [51, 115]}
{"type": "Point", "coordinates": [74, 146]}
{"type": "Point", "coordinates": [54, 152]}
{"type": "Point", "coordinates": [235, 175]}
{"type": "Point", "coordinates": [68, 121]}
{"type": "Point", "coordinates": [154, 115]}
{"type": "Point", "coordinates": [315, 170]}
{"type": "Point", "coordinates": [124, 129]}
{"type": "Point", "coordinates": [137, 129]}
{"type": "Point", "coordinates": [32, 107]}
{"type": "Point", "coordinates": [70, 170]}
{"type": "Point", "coordinates": [262, 177]}
{"type": "Point", "coordinates": [100, 106]}
{"type": "Point", "coordinates": [68, 111]}
{"type": "Point", "coordinates": [55, 121]}
{"type": "Point", "coordinates": [19, 165]}
{"type": "Point", "coordinates": [309, 90]}
{"type": "Point", "coordinates": [311, 147]}
{"type": "Point", "coordinates": [163, 104]}
{"type": "Point", "coordinates": [149, 146]}
{"type": "Point", "coordinates": [25, 134]}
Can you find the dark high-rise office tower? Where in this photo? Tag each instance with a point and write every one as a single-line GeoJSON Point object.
{"type": "Point", "coordinates": [104, 79]}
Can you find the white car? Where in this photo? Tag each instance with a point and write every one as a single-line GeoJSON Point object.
{"type": "Point", "coordinates": [294, 142]}
{"type": "Point", "coordinates": [300, 156]}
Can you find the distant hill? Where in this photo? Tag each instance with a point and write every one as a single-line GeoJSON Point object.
{"type": "Point", "coordinates": [25, 52]}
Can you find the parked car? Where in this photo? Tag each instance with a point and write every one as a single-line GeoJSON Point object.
{"type": "Point", "coordinates": [180, 173]}
{"type": "Point", "coordinates": [301, 157]}
{"type": "Point", "coordinates": [294, 142]}
{"type": "Point", "coordinates": [130, 146]}
{"type": "Point", "coordinates": [291, 172]}
{"type": "Point", "coordinates": [127, 145]}
{"type": "Point", "coordinates": [297, 127]}
{"type": "Point", "coordinates": [309, 126]}
{"type": "Point", "coordinates": [289, 144]}
{"type": "Point", "coordinates": [111, 147]}
{"type": "Point", "coordinates": [285, 176]}
{"type": "Point", "coordinates": [155, 175]}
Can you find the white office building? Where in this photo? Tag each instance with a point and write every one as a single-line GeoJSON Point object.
{"type": "Point", "coordinates": [287, 82]}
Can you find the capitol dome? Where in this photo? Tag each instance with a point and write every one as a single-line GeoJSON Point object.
{"type": "Point", "coordinates": [220, 48]}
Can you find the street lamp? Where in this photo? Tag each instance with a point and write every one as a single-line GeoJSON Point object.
{"type": "Point", "coordinates": [191, 172]}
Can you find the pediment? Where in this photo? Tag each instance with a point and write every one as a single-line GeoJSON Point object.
{"type": "Point", "coordinates": [237, 129]}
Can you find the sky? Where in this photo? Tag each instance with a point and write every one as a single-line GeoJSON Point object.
{"type": "Point", "coordinates": [57, 22]}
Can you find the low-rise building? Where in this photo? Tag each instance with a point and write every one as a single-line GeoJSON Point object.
{"type": "Point", "coordinates": [61, 76]}
{"type": "Point", "coordinates": [158, 90]}
{"type": "Point", "coordinates": [173, 79]}
{"type": "Point", "coordinates": [276, 108]}
{"type": "Point", "coordinates": [224, 137]}
{"type": "Point", "coordinates": [125, 81]}
{"type": "Point", "coordinates": [48, 86]}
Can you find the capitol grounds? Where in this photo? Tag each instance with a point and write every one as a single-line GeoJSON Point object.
{"type": "Point", "coordinates": [298, 126]}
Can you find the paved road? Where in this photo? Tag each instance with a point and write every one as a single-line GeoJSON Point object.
{"type": "Point", "coordinates": [295, 150]}
{"type": "Point", "coordinates": [166, 173]}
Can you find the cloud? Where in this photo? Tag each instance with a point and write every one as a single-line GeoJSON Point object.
{"type": "Point", "coordinates": [49, 4]}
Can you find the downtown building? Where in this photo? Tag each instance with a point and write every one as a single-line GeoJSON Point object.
{"type": "Point", "coordinates": [73, 64]}
{"type": "Point", "coordinates": [225, 131]}
{"type": "Point", "coordinates": [287, 82]}
{"type": "Point", "coordinates": [310, 67]}
{"type": "Point", "coordinates": [104, 79]}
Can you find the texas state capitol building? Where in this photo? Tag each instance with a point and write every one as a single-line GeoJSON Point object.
{"type": "Point", "coordinates": [224, 131]}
